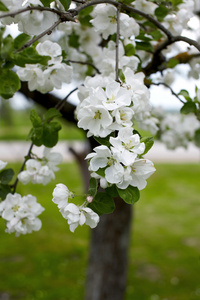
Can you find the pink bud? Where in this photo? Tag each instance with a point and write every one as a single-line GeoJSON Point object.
{"type": "Point", "coordinates": [89, 199]}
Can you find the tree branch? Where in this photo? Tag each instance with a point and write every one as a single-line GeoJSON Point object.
{"type": "Point", "coordinates": [84, 63]}
{"type": "Point", "coordinates": [117, 45]}
{"type": "Point", "coordinates": [171, 90]}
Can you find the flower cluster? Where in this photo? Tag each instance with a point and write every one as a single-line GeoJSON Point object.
{"type": "Point", "coordinates": [21, 214]}
{"type": "Point", "coordinates": [107, 105]}
{"type": "Point", "coordinates": [46, 78]}
{"type": "Point", "coordinates": [120, 164]}
{"type": "Point", "coordinates": [41, 170]}
{"type": "Point", "coordinates": [75, 215]}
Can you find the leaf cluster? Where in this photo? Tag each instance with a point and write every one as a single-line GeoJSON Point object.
{"type": "Point", "coordinates": [103, 201]}
{"type": "Point", "coordinates": [44, 131]}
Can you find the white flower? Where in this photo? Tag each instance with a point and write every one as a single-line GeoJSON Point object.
{"type": "Point", "coordinates": [127, 146]}
{"type": "Point", "coordinates": [21, 213]}
{"type": "Point", "coordinates": [96, 119]}
{"type": "Point", "coordinates": [24, 177]}
{"type": "Point", "coordinates": [41, 170]}
{"type": "Point", "coordinates": [79, 216]}
{"type": "Point", "coordinates": [136, 174]}
{"type": "Point", "coordinates": [104, 20]}
{"type": "Point", "coordinates": [102, 158]}
{"type": "Point", "coordinates": [2, 164]}
{"type": "Point", "coordinates": [49, 48]}
{"type": "Point", "coordinates": [61, 194]}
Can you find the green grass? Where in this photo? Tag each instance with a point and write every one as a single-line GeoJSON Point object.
{"type": "Point", "coordinates": [164, 258]}
{"type": "Point", "coordinates": [16, 124]}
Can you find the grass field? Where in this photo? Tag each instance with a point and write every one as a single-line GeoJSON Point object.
{"type": "Point", "coordinates": [164, 255]}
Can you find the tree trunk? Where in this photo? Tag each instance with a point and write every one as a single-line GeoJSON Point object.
{"type": "Point", "coordinates": [107, 270]}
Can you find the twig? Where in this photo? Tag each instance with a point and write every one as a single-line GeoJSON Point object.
{"type": "Point", "coordinates": [39, 36]}
{"type": "Point", "coordinates": [30, 8]}
{"type": "Point", "coordinates": [61, 104]}
{"type": "Point", "coordinates": [84, 63]}
{"type": "Point", "coordinates": [170, 38]}
{"type": "Point", "coordinates": [14, 186]}
{"type": "Point", "coordinates": [171, 90]}
{"type": "Point", "coordinates": [117, 45]}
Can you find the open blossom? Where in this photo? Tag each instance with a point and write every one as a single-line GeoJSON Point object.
{"type": "Point", "coordinates": [61, 194]}
{"type": "Point", "coordinates": [41, 171]}
{"type": "Point", "coordinates": [79, 215]}
{"type": "Point", "coordinates": [76, 215]}
{"type": "Point", "coordinates": [127, 145]}
{"type": "Point", "coordinates": [21, 213]}
{"type": "Point", "coordinates": [105, 21]}
{"type": "Point", "coordinates": [136, 174]}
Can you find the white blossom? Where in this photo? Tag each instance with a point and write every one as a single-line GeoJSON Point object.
{"type": "Point", "coordinates": [21, 213]}
{"type": "Point", "coordinates": [79, 216]}
{"type": "Point", "coordinates": [41, 171]}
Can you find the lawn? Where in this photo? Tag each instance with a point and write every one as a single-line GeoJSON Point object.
{"type": "Point", "coordinates": [164, 258]}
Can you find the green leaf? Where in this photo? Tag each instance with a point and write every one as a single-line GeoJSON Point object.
{"type": "Point", "coordinates": [197, 137]}
{"type": "Point", "coordinates": [103, 203]}
{"type": "Point", "coordinates": [65, 3]}
{"type": "Point", "coordinates": [103, 141]}
{"type": "Point", "coordinates": [20, 40]}
{"type": "Point", "coordinates": [35, 135]}
{"type": "Point", "coordinates": [30, 56]}
{"type": "Point", "coordinates": [35, 118]}
{"type": "Point", "coordinates": [112, 191]}
{"type": "Point", "coordinates": [185, 94]}
{"type": "Point", "coordinates": [6, 176]}
{"type": "Point", "coordinates": [172, 63]}
{"type": "Point", "coordinates": [101, 172]}
{"type": "Point", "coordinates": [74, 41]}
{"type": "Point", "coordinates": [3, 7]}
{"type": "Point", "coordinates": [84, 16]}
{"type": "Point", "coordinates": [4, 191]}
{"type": "Point", "coordinates": [52, 113]}
{"type": "Point", "coordinates": [188, 107]}
{"type": "Point", "coordinates": [130, 195]}
{"type": "Point", "coordinates": [148, 143]}
{"type": "Point", "coordinates": [7, 47]}
{"type": "Point", "coordinates": [46, 2]}
{"type": "Point", "coordinates": [92, 187]}
{"type": "Point", "coordinates": [161, 11]}
{"type": "Point", "coordinates": [156, 34]}
{"type": "Point", "coordinates": [129, 50]}
{"type": "Point", "coordinates": [146, 46]}
{"type": "Point", "coordinates": [50, 134]}
{"type": "Point", "coordinates": [176, 2]}
{"type": "Point", "coordinates": [9, 83]}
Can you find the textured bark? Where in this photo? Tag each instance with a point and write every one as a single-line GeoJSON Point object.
{"type": "Point", "coordinates": [107, 270]}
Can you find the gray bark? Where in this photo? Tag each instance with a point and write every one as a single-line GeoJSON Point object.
{"type": "Point", "coordinates": [108, 261]}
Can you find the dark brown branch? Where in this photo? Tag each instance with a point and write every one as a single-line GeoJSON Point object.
{"type": "Point", "coordinates": [48, 101]}
{"type": "Point", "coordinates": [84, 63]}
{"type": "Point", "coordinates": [39, 36]}
{"type": "Point", "coordinates": [171, 90]}
{"type": "Point", "coordinates": [61, 104]}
